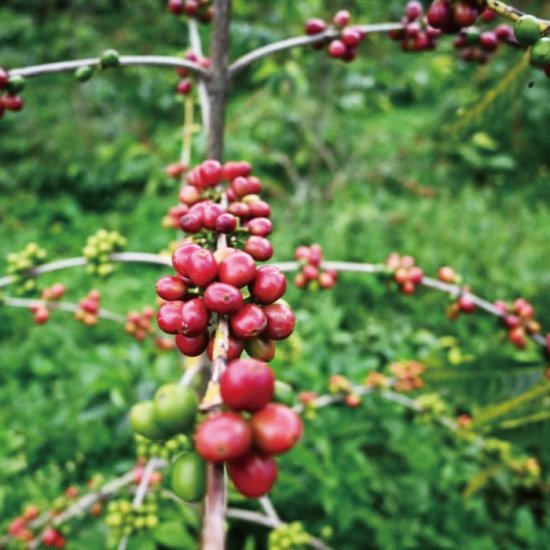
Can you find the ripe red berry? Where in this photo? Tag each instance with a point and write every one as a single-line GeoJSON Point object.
{"type": "Point", "coordinates": [211, 214]}
{"type": "Point", "coordinates": [189, 195]}
{"type": "Point", "coordinates": [226, 223]}
{"type": "Point", "coordinates": [210, 173]}
{"type": "Point", "coordinates": [337, 49]}
{"type": "Point", "coordinates": [50, 536]}
{"type": "Point", "coordinates": [171, 288]}
{"type": "Point", "coordinates": [276, 428]}
{"type": "Point", "coordinates": [341, 18]}
{"type": "Point", "coordinates": [259, 209]}
{"type": "Point", "coordinates": [488, 15]}
{"type": "Point", "coordinates": [12, 102]}
{"type": "Point", "coordinates": [465, 304]}
{"type": "Point", "coordinates": [260, 226]}
{"type": "Point", "coordinates": [439, 14]}
{"type": "Point", "coordinates": [4, 78]}
{"type": "Point", "coordinates": [169, 317]}
{"type": "Point", "coordinates": [238, 269]}
{"type": "Point", "coordinates": [259, 248]}
{"type": "Point", "coordinates": [201, 267]}
{"type": "Point", "coordinates": [235, 169]}
{"type": "Point", "coordinates": [184, 86]}
{"type": "Point", "coordinates": [234, 348]}
{"type": "Point", "coordinates": [249, 322]}
{"type": "Point", "coordinates": [175, 6]}
{"type": "Point", "coordinates": [223, 436]}
{"type": "Point", "coordinates": [41, 315]}
{"type": "Point", "coordinates": [239, 209]}
{"type": "Point", "coordinates": [181, 256]}
{"type": "Point", "coordinates": [315, 26]}
{"type": "Point", "coordinates": [464, 13]}
{"type": "Point", "coordinates": [223, 298]}
{"type": "Point", "coordinates": [268, 286]}
{"type": "Point", "coordinates": [326, 280]}
{"type": "Point", "coordinates": [413, 10]}
{"type": "Point", "coordinates": [192, 346]}
{"type": "Point", "coordinates": [253, 475]}
{"type": "Point", "coordinates": [191, 7]}
{"type": "Point", "coordinates": [247, 384]}
{"type": "Point", "coordinates": [351, 36]}
{"type": "Point", "coordinates": [195, 317]}
{"type": "Point", "coordinates": [488, 40]}
{"type": "Point", "coordinates": [280, 321]}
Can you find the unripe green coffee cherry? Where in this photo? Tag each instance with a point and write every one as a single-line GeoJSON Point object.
{"type": "Point", "coordinates": [540, 52]}
{"type": "Point", "coordinates": [109, 58]}
{"type": "Point", "coordinates": [142, 420]}
{"type": "Point", "coordinates": [283, 393]}
{"type": "Point", "coordinates": [188, 478]}
{"type": "Point", "coordinates": [83, 74]}
{"type": "Point", "coordinates": [175, 408]}
{"type": "Point", "coordinates": [527, 30]}
{"type": "Point", "coordinates": [16, 84]}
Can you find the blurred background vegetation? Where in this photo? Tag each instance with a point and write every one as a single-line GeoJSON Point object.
{"type": "Point", "coordinates": [365, 159]}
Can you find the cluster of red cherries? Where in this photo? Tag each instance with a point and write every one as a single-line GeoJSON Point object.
{"type": "Point", "coordinates": [252, 431]}
{"type": "Point", "coordinates": [405, 272]}
{"type": "Point", "coordinates": [138, 324]}
{"type": "Point", "coordinates": [201, 10]}
{"type": "Point", "coordinates": [41, 311]}
{"type": "Point", "coordinates": [519, 320]}
{"type": "Point", "coordinates": [311, 273]}
{"type": "Point", "coordinates": [88, 308]}
{"type": "Point", "coordinates": [10, 100]}
{"type": "Point", "coordinates": [343, 47]}
{"type": "Point", "coordinates": [185, 85]}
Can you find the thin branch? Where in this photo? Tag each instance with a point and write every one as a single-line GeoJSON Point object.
{"type": "Point", "coordinates": [124, 60]}
{"type": "Point", "coordinates": [59, 306]}
{"type": "Point", "coordinates": [298, 41]}
{"type": "Point", "coordinates": [269, 509]}
{"type": "Point", "coordinates": [196, 47]}
{"type": "Point", "coordinates": [57, 265]}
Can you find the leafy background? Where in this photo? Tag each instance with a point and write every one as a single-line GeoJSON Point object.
{"type": "Point", "coordinates": [383, 155]}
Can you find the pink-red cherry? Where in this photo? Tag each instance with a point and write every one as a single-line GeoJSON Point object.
{"type": "Point", "coordinates": [195, 317]}
{"type": "Point", "coordinates": [181, 255]}
{"type": "Point", "coordinates": [280, 321]}
{"type": "Point", "coordinates": [254, 474]}
{"type": "Point", "coordinates": [259, 248]}
{"type": "Point", "coordinates": [223, 298]}
{"type": "Point", "coordinates": [169, 317]}
{"type": "Point", "coordinates": [260, 226]}
{"type": "Point", "coordinates": [276, 428]}
{"type": "Point", "coordinates": [238, 269]}
{"type": "Point", "coordinates": [171, 288]}
{"type": "Point", "coordinates": [202, 267]}
{"type": "Point", "coordinates": [268, 286]}
{"type": "Point", "coordinates": [249, 322]}
{"type": "Point", "coordinates": [192, 346]}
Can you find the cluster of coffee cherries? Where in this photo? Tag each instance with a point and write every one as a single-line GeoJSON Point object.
{"type": "Point", "coordinates": [20, 263]}
{"type": "Point", "coordinates": [311, 274]}
{"type": "Point", "coordinates": [107, 59]}
{"type": "Point", "coordinates": [20, 527]}
{"type": "Point", "coordinates": [124, 519]}
{"type": "Point", "coordinates": [519, 320]}
{"type": "Point", "coordinates": [147, 448]}
{"type": "Point", "coordinates": [416, 35]}
{"type": "Point", "coordinates": [452, 16]}
{"type": "Point", "coordinates": [527, 31]}
{"type": "Point", "coordinates": [185, 85]}
{"type": "Point", "coordinates": [405, 272]}
{"type": "Point", "coordinates": [340, 384]}
{"type": "Point", "coordinates": [407, 375]}
{"type": "Point", "coordinates": [41, 311]}
{"type": "Point", "coordinates": [10, 100]}
{"type": "Point", "coordinates": [138, 324]}
{"type": "Point", "coordinates": [289, 536]}
{"type": "Point", "coordinates": [99, 247]}
{"type": "Point", "coordinates": [343, 47]}
{"type": "Point", "coordinates": [88, 308]}
{"type": "Point", "coordinates": [253, 429]}
{"type": "Point", "coordinates": [202, 10]}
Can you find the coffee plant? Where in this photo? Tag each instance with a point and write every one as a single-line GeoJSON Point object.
{"type": "Point", "coordinates": [218, 431]}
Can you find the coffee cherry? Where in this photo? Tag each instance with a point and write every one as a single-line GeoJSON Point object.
{"type": "Point", "coordinates": [171, 288]}
{"type": "Point", "coordinates": [11, 102]}
{"type": "Point", "coordinates": [195, 317]}
{"type": "Point", "coordinates": [180, 257]}
{"type": "Point", "coordinates": [234, 349]}
{"type": "Point", "coordinates": [175, 408]}
{"type": "Point", "coordinates": [276, 428]}
{"type": "Point", "coordinates": [226, 223]}
{"type": "Point", "coordinates": [41, 315]}
{"type": "Point", "coordinates": [488, 15]}
{"type": "Point", "coordinates": [184, 87]}
{"type": "Point", "coordinates": [464, 13]}
{"type": "Point", "coordinates": [260, 226]}
{"type": "Point", "coordinates": [4, 78]}
{"type": "Point", "coordinates": [188, 479]}
{"type": "Point", "coordinates": [351, 37]}
{"type": "Point", "coordinates": [259, 248]}
{"type": "Point", "coordinates": [261, 349]}
{"type": "Point", "coordinates": [413, 10]}
{"type": "Point", "coordinates": [223, 298]}
{"type": "Point", "coordinates": [540, 52]}
{"type": "Point", "coordinates": [210, 215]}
{"type": "Point", "coordinates": [223, 436]}
{"type": "Point", "coordinates": [527, 30]}
{"type": "Point", "coordinates": [439, 14]}
{"type": "Point", "coordinates": [337, 49]}
{"type": "Point", "coordinates": [235, 169]}
{"type": "Point", "coordinates": [175, 6]}
{"type": "Point", "coordinates": [169, 317]}
{"type": "Point", "coordinates": [341, 18]}
{"type": "Point", "coordinates": [143, 421]}
{"type": "Point", "coordinates": [210, 173]}
{"type": "Point", "coordinates": [488, 40]}
{"type": "Point", "coordinates": [192, 346]}
{"type": "Point", "coordinates": [202, 268]}
{"type": "Point", "coordinates": [268, 286]}
{"type": "Point", "coordinates": [247, 384]}
{"type": "Point", "coordinates": [465, 304]}
{"type": "Point", "coordinates": [249, 322]}
{"type": "Point", "coordinates": [109, 58]}
{"type": "Point", "coordinates": [238, 269]}
{"type": "Point", "coordinates": [253, 475]}
{"type": "Point", "coordinates": [315, 26]}
{"type": "Point", "coordinates": [280, 321]}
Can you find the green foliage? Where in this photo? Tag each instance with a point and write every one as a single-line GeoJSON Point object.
{"type": "Point", "coordinates": [357, 158]}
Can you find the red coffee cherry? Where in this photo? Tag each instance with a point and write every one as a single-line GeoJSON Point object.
{"type": "Point", "coordinates": [189, 195]}
{"type": "Point", "coordinates": [488, 40]}
{"type": "Point", "coordinates": [41, 315]}
{"type": "Point", "coordinates": [171, 288]}
{"type": "Point", "coordinates": [413, 10]}
{"type": "Point", "coordinates": [341, 18]}
{"type": "Point", "coordinates": [238, 269]}
{"type": "Point", "coordinates": [253, 475]}
{"type": "Point", "coordinates": [223, 436]}
{"type": "Point", "coordinates": [239, 209]}
{"type": "Point", "coordinates": [181, 256]}
{"type": "Point", "coordinates": [236, 169]}
{"type": "Point", "coordinates": [280, 321]}
{"type": "Point", "coordinates": [259, 209]}
{"type": "Point", "coordinates": [259, 248]}
{"type": "Point", "coordinates": [247, 385]}
{"type": "Point", "coordinates": [226, 223]}
{"type": "Point", "coordinates": [190, 223]}
{"type": "Point", "coordinates": [211, 214]}
{"type": "Point", "coordinates": [465, 304]}
{"type": "Point", "coordinates": [12, 102]}
{"type": "Point", "coordinates": [249, 322]}
{"type": "Point", "coordinates": [192, 346]}
{"type": "Point", "coordinates": [195, 317]}
{"type": "Point", "coordinates": [261, 349]}
{"type": "Point", "coordinates": [464, 13]}
{"type": "Point", "coordinates": [184, 86]}
{"type": "Point", "coordinates": [315, 26]}
{"type": "Point", "coordinates": [202, 268]}
{"type": "Point", "coordinates": [210, 173]}
{"type": "Point", "coordinates": [4, 78]}
{"type": "Point", "coordinates": [260, 226]}
{"type": "Point", "coordinates": [351, 37]}
{"type": "Point", "coordinates": [234, 349]}
{"type": "Point", "coordinates": [439, 14]}
{"type": "Point", "coordinates": [175, 6]}
{"type": "Point", "coordinates": [276, 428]}
{"type": "Point", "coordinates": [337, 49]}
{"type": "Point", "coordinates": [223, 298]}
{"type": "Point", "coordinates": [268, 286]}
{"type": "Point", "coordinates": [169, 317]}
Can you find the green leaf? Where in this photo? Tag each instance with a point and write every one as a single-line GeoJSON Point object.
{"type": "Point", "coordinates": [174, 535]}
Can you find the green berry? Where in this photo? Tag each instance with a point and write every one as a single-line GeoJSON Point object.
{"type": "Point", "coordinates": [142, 420]}
{"type": "Point", "coordinates": [109, 58]}
{"type": "Point", "coordinates": [16, 84]}
{"type": "Point", "coordinates": [527, 30]}
{"type": "Point", "coordinates": [188, 478]}
{"type": "Point", "coordinates": [540, 52]}
{"type": "Point", "coordinates": [83, 74]}
{"type": "Point", "coordinates": [175, 408]}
